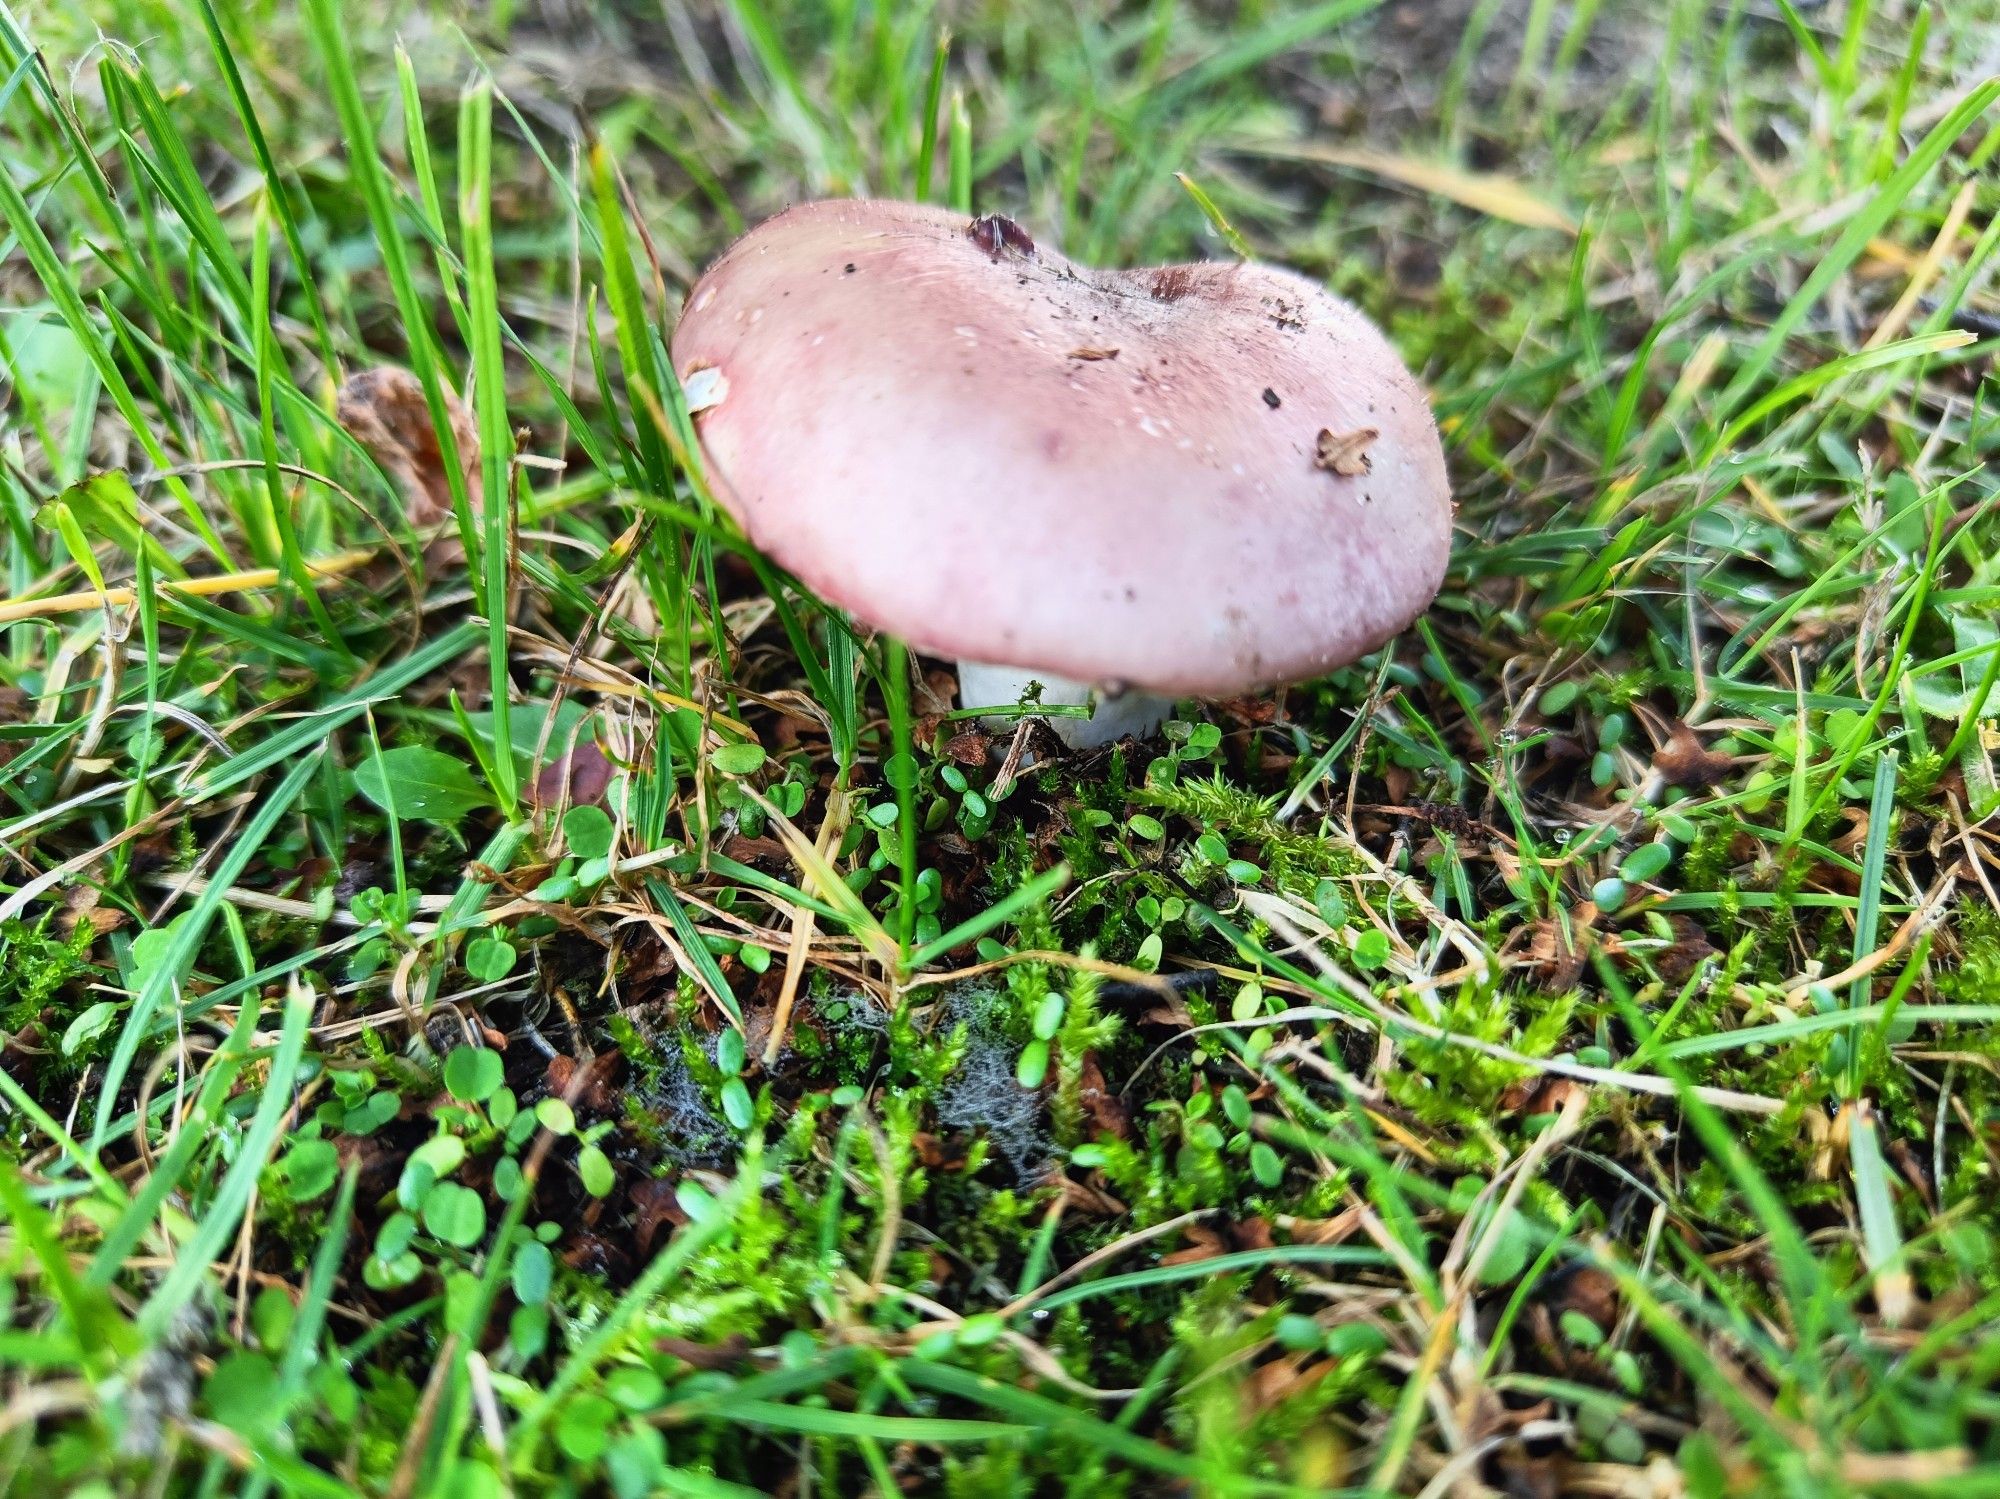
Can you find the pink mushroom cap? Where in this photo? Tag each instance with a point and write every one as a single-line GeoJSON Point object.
{"type": "Point", "coordinates": [1191, 479]}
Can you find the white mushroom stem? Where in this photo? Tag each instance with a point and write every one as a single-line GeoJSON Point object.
{"type": "Point", "coordinates": [1114, 716]}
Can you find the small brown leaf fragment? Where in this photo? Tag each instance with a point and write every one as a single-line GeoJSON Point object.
{"type": "Point", "coordinates": [1588, 1291]}
{"type": "Point", "coordinates": [385, 411]}
{"type": "Point", "coordinates": [1089, 1197]}
{"type": "Point", "coordinates": [731, 1353]}
{"type": "Point", "coordinates": [1204, 1243]}
{"type": "Point", "coordinates": [1252, 1233]}
{"type": "Point", "coordinates": [81, 908]}
{"type": "Point", "coordinates": [968, 747]}
{"type": "Point", "coordinates": [1527, 1475]}
{"type": "Point", "coordinates": [1688, 950]}
{"type": "Point", "coordinates": [584, 772]}
{"type": "Point", "coordinates": [1270, 1385]}
{"type": "Point", "coordinates": [1105, 1109]}
{"type": "Point", "coordinates": [654, 1207]}
{"type": "Point", "coordinates": [592, 1254]}
{"type": "Point", "coordinates": [1556, 951]}
{"type": "Point", "coordinates": [1682, 761]}
{"type": "Point", "coordinates": [597, 1092]}
{"type": "Point", "coordinates": [1090, 353]}
{"type": "Point", "coordinates": [1345, 453]}
{"type": "Point", "coordinates": [1335, 1230]}
{"type": "Point", "coordinates": [767, 852]}
{"type": "Point", "coordinates": [935, 1154]}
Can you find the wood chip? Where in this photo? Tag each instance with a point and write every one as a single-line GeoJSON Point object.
{"type": "Point", "coordinates": [1345, 453]}
{"type": "Point", "coordinates": [1089, 353]}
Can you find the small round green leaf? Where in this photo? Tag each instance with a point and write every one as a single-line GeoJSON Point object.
{"type": "Point", "coordinates": [635, 1388]}
{"type": "Point", "coordinates": [473, 1074]}
{"type": "Point", "coordinates": [1034, 1064]}
{"type": "Point", "coordinates": [555, 1116]}
{"type": "Point", "coordinates": [583, 1430]}
{"type": "Point", "coordinates": [1049, 1016]}
{"type": "Point", "coordinates": [588, 831]}
{"type": "Point", "coordinates": [594, 1167]}
{"type": "Point", "coordinates": [455, 1214]}
{"type": "Point", "coordinates": [1265, 1165]}
{"type": "Point", "coordinates": [729, 1052]}
{"type": "Point", "coordinates": [442, 1153]}
{"type": "Point", "coordinates": [1328, 902]}
{"type": "Point", "coordinates": [533, 1273]}
{"type": "Point", "coordinates": [1300, 1334]}
{"type": "Point", "coordinates": [238, 1393]}
{"type": "Point", "coordinates": [309, 1168]}
{"type": "Point", "coordinates": [738, 759]}
{"type": "Point", "coordinates": [1236, 1104]}
{"type": "Point", "coordinates": [1646, 862]}
{"type": "Point", "coordinates": [1371, 949]}
{"type": "Point", "coordinates": [900, 771]}
{"type": "Point", "coordinates": [489, 959]}
{"type": "Point", "coordinates": [736, 1106]}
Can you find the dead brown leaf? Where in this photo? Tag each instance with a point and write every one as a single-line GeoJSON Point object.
{"type": "Point", "coordinates": [1682, 761]}
{"type": "Point", "coordinates": [1252, 1233]}
{"type": "Point", "coordinates": [1689, 949]}
{"type": "Point", "coordinates": [1345, 453]}
{"type": "Point", "coordinates": [584, 769]}
{"type": "Point", "coordinates": [1104, 1107]}
{"type": "Point", "coordinates": [1204, 1243]}
{"type": "Point", "coordinates": [1088, 1197]}
{"type": "Point", "coordinates": [1556, 950]}
{"type": "Point", "coordinates": [968, 747]}
{"type": "Point", "coordinates": [1273, 1383]}
{"type": "Point", "coordinates": [1169, 1012]}
{"type": "Point", "coordinates": [592, 1254]}
{"type": "Point", "coordinates": [598, 1092]}
{"type": "Point", "coordinates": [653, 1207]}
{"type": "Point", "coordinates": [935, 1154]}
{"type": "Point", "coordinates": [1590, 1291]}
{"type": "Point", "coordinates": [1335, 1230]}
{"type": "Point", "coordinates": [385, 411]}
{"type": "Point", "coordinates": [82, 906]}
{"type": "Point", "coordinates": [731, 1353]}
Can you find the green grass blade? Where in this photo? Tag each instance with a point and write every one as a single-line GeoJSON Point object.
{"type": "Point", "coordinates": [496, 434]}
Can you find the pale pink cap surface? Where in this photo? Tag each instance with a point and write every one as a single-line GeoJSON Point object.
{"type": "Point", "coordinates": [929, 427]}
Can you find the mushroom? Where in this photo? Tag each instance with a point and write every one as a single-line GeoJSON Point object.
{"type": "Point", "coordinates": [1126, 486]}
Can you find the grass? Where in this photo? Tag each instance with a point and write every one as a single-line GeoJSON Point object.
{"type": "Point", "coordinates": [556, 1009]}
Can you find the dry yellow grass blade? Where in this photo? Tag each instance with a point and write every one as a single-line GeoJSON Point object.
{"type": "Point", "coordinates": [117, 598]}
{"type": "Point", "coordinates": [1484, 192]}
{"type": "Point", "coordinates": [1926, 270]}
